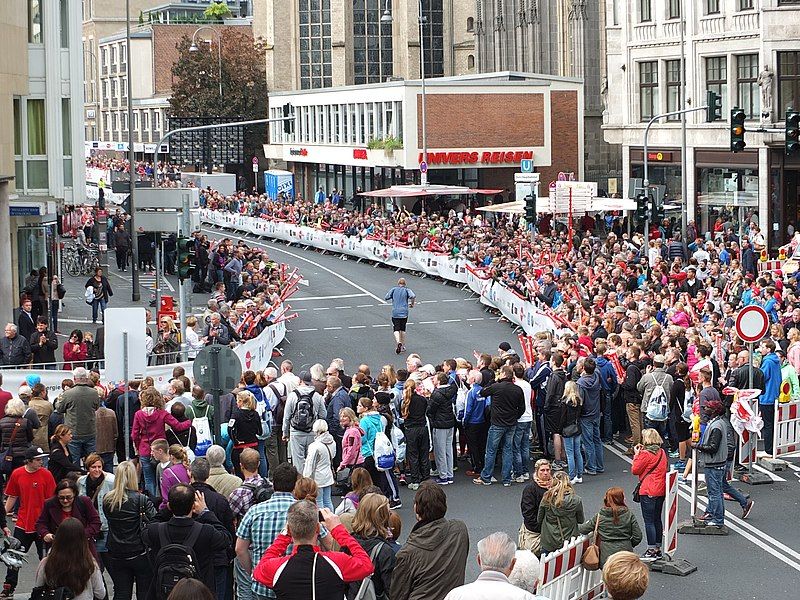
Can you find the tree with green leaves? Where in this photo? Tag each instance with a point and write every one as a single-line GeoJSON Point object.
{"type": "Point", "coordinates": [217, 11]}
{"type": "Point", "coordinates": [196, 76]}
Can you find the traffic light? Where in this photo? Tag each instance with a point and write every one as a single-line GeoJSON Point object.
{"type": "Point", "coordinates": [186, 254]}
{"type": "Point", "coordinates": [792, 132]}
{"type": "Point", "coordinates": [737, 130]}
{"type": "Point", "coordinates": [288, 124]}
{"type": "Point", "coordinates": [657, 213]}
{"type": "Point", "coordinates": [714, 104]}
{"type": "Point", "coordinates": [641, 207]}
{"type": "Point", "coordinates": [530, 209]}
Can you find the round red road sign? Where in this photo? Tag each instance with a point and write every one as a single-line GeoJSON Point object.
{"type": "Point", "coordinates": [752, 323]}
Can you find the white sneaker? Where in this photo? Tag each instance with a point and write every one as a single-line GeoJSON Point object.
{"type": "Point", "coordinates": [525, 476]}
{"type": "Point", "coordinates": [519, 479]}
{"type": "Point", "coordinates": [575, 480]}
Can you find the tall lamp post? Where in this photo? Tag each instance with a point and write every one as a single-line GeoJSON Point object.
{"type": "Point", "coordinates": [194, 48]}
{"type": "Point", "coordinates": [135, 295]}
{"type": "Point", "coordinates": [387, 18]}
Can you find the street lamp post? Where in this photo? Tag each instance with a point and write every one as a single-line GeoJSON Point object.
{"type": "Point", "coordinates": [387, 18]}
{"type": "Point", "coordinates": [194, 48]}
{"type": "Point", "coordinates": [135, 296]}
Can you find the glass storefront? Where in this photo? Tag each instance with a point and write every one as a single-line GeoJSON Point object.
{"type": "Point", "coordinates": [725, 197]}
{"type": "Point", "coordinates": [661, 174]}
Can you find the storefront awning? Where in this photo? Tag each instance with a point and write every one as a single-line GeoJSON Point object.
{"type": "Point", "coordinates": [505, 207]}
{"type": "Point", "coordinates": [406, 191]}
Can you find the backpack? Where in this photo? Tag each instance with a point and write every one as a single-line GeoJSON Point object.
{"type": "Point", "coordinates": [688, 403]}
{"type": "Point", "coordinates": [658, 407]}
{"type": "Point", "coordinates": [61, 291]}
{"type": "Point", "coordinates": [88, 295]}
{"type": "Point", "coordinates": [399, 443]}
{"type": "Point", "coordinates": [203, 430]}
{"type": "Point", "coordinates": [383, 452]}
{"type": "Point", "coordinates": [280, 405]}
{"type": "Point", "coordinates": [264, 411]}
{"type": "Point", "coordinates": [175, 561]}
{"type": "Point", "coordinates": [302, 418]}
{"type": "Point", "coordinates": [262, 490]}
{"type": "Point", "coordinates": [461, 401]}
{"type": "Point", "coordinates": [366, 589]}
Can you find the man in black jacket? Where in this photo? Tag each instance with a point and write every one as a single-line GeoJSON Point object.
{"type": "Point", "coordinates": [631, 396]}
{"type": "Point", "coordinates": [551, 409]}
{"type": "Point", "coordinates": [549, 289]}
{"type": "Point", "coordinates": [189, 511]}
{"type": "Point", "coordinates": [43, 345]}
{"type": "Point", "coordinates": [508, 405]}
{"type": "Point", "coordinates": [14, 349]}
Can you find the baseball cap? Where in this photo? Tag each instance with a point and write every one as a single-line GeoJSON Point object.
{"type": "Point", "coordinates": [33, 452]}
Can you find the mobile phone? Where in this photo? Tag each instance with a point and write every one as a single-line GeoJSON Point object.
{"type": "Point", "coordinates": [321, 518]}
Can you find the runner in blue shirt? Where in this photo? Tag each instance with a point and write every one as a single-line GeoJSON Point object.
{"type": "Point", "coordinates": [402, 299]}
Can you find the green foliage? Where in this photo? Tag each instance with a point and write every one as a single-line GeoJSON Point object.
{"type": "Point", "coordinates": [374, 144]}
{"type": "Point", "coordinates": [392, 143]}
{"type": "Point", "coordinates": [217, 11]}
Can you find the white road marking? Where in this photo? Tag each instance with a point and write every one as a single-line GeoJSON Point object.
{"type": "Point", "coordinates": [331, 328]}
{"type": "Point", "coordinates": [766, 542]}
{"type": "Point", "coordinates": [308, 329]}
{"type": "Point", "coordinates": [365, 305]}
{"type": "Point", "coordinates": [275, 248]}
{"type": "Point", "coordinates": [340, 307]}
{"type": "Point", "coordinates": [357, 327]}
{"type": "Point", "coordinates": [451, 321]}
{"type": "Point", "coordinates": [382, 325]}
{"type": "Point", "coordinates": [476, 319]}
{"type": "Point", "coordinates": [451, 300]}
{"type": "Point", "coordinates": [426, 301]}
{"type": "Point", "coordinates": [300, 298]}
{"type": "Point", "coordinates": [428, 322]}
{"type": "Point", "coordinates": [322, 308]}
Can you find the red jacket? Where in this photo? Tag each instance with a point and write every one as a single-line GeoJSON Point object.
{"type": "Point", "coordinates": [290, 576]}
{"type": "Point", "coordinates": [148, 425]}
{"type": "Point", "coordinates": [653, 483]}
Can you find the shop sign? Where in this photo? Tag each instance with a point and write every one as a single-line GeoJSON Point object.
{"type": "Point", "coordinates": [660, 156]}
{"type": "Point", "coordinates": [477, 157]}
{"type": "Point", "coordinates": [298, 152]}
{"type": "Point", "coordinates": [360, 153]}
{"type": "Point", "coordinates": [25, 210]}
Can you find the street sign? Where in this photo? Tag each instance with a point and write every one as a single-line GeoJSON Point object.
{"type": "Point", "coordinates": [526, 177]}
{"type": "Point", "coordinates": [752, 324]}
{"type": "Point", "coordinates": [526, 165]}
{"type": "Point", "coordinates": [255, 160]}
{"type": "Point", "coordinates": [423, 167]}
{"type": "Point", "coordinates": [125, 359]}
{"type": "Point", "coordinates": [255, 167]}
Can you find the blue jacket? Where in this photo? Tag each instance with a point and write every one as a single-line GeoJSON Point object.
{"type": "Point", "coordinates": [589, 388]}
{"type": "Point", "coordinates": [371, 424]}
{"type": "Point", "coordinates": [475, 411]}
{"type": "Point", "coordinates": [339, 400]}
{"type": "Point", "coordinates": [608, 376]}
{"type": "Point", "coordinates": [772, 378]}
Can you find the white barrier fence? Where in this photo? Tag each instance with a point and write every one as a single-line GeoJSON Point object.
{"type": "Point", "coordinates": [563, 576]}
{"type": "Point", "coordinates": [786, 433]}
{"type": "Point", "coordinates": [459, 270]}
{"type": "Point", "coordinates": [254, 354]}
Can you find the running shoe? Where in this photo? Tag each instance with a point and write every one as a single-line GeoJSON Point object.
{"type": "Point", "coordinates": [650, 555]}
{"type": "Point", "coordinates": [479, 481]}
{"type": "Point", "coordinates": [576, 479]}
{"type": "Point", "coordinates": [413, 486]}
{"type": "Point", "coordinates": [519, 479]}
{"type": "Point", "coordinates": [748, 507]}
{"type": "Point", "coordinates": [395, 504]}
{"type": "Point", "coordinates": [506, 484]}
{"type": "Point", "coordinates": [443, 481]}
{"type": "Point", "coordinates": [526, 476]}
{"type": "Point", "coordinates": [399, 349]}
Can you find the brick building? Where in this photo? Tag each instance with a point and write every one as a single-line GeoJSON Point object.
{"type": "Point", "coordinates": [478, 129]}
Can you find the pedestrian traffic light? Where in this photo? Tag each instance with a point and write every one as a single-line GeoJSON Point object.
{"type": "Point", "coordinates": [530, 209]}
{"type": "Point", "coordinates": [714, 104]}
{"type": "Point", "coordinates": [737, 130]}
{"type": "Point", "coordinates": [288, 124]}
{"type": "Point", "coordinates": [792, 132]}
{"type": "Point", "coordinates": [657, 213]}
{"type": "Point", "coordinates": [641, 207]}
{"type": "Point", "coordinates": [186, 254]}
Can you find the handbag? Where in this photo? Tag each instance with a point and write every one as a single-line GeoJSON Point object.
{"type": "Point", "coordinates": [44, 592]}
{"type": "Point", "coordinates": [637, 497]}
{"type": "Point", "coordinates": [529, 540]}
{"type": "Point", "coordinates": [571, 430]}
{"type": "Point", "coordinates": [6, 456]}
{"type": "Point", "coordinates": [591, 557]}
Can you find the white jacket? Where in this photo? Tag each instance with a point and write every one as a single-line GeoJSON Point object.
{"type": "Point", "coordinates": [490, 585]}
{"type": "Point", "coordinates": [318, 460]}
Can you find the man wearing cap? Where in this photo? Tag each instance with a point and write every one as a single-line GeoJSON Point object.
{"type": "Point", "coordinates": [32, 486]}
{"type": "Point", "coordinates": [303, 406]}
{"type": "Point", "coordinates": [78, 405]}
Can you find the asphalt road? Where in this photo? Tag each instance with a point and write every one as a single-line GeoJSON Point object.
{"type": "Point", "coordinates": [342, 314]}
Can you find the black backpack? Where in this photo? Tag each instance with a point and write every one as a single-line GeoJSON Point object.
{"type": "Point", "coordinates": [303, 416]}
{"type": "Point", "coordinates": [175, 561]}
{"type": "Point", "coordinates": [262, 490]}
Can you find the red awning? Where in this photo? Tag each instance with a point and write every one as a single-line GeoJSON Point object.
{"type": "Point", "coordinates": [406, 191]}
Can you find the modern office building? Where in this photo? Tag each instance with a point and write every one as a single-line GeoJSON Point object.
{"type": "Point", "coordinates": [478, 129]}
{"type": "Point", "coordinates": [41, 138]}
{"type": "Point", "coordinates": [327, 43]}
{"type": "Point", "coordinates": [747, 51]}
{"type": "Point", "coordinates": [555, 37]}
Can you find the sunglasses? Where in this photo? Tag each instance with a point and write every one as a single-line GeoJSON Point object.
{"type": "Point", "coordinates": [66, 498]}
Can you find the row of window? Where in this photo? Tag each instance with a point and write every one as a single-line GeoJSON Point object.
{"type": "Point", "coordinates": [113, 58]}
{"type": "Point", "coordinates": [710, 7]}
{"type": "Point", "coordinates": [30, 143]}
{"type": "Point", "coordinates": [116, 122]}
{"type": "Point", "coordinates": [744, 69]}
{"type": "Point", "coordinates": [111, 87]}
{"type": "Point", "coordinates": [352, 124]}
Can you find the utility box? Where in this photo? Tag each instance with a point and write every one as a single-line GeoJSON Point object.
{"type": "Point", "coordinates": [277, 181]}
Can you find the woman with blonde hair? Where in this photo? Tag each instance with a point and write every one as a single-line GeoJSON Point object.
{"type": "Point", "coordinates": [193, 342]}
{"type": "Point", "coordinates": [127, 510]}
{"type": "Point", "coordinates": [306, 489]}
{"type": "Point", "coordinates": [617, 528]}
{"type": "Point", "coordinates": [650, 464]}
{"type": "Point", "coordinates": [60, 463]}
{"type": "Point", "coordinates": [559, 513]}
{"type": "Point", "coordinates": [412, 409]}
{"type": "Point", "coordinates": [371, 531]}
{"type": "Point", "coordinates": [246, 427]}
{"type": "Point", "coordinates": [168, 343]}
{"type": "Point", "coordinates": [793, 351]}
{"type": "Point", "coordinates": [176, 472]}
{"type": "Point", "coordinates": [351, 442]}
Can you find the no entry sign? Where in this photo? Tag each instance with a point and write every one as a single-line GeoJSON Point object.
{"type": "Point", "coordinates": [752, 324]}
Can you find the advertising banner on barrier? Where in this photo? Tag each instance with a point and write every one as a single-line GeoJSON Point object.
{"type": "Point", "coordinates": [255, 355]}
{"type": "Point", "coordinates": [493, 294]}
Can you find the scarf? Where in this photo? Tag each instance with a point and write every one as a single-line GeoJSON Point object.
{"type": "Point", "coordinates": [543, 483]}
